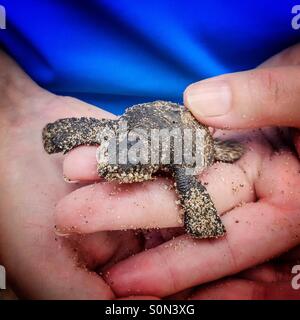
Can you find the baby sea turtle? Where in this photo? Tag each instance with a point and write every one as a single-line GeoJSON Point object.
{"type": "Point", "coordinates": [200, 216]}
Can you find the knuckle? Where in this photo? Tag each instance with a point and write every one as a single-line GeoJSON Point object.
{"type": "Point", "coordinates": [267, 85]}
{"type": "Point", "coordinates": [290, 55]}
{"type": "Point", "coordinates": [67, 99]}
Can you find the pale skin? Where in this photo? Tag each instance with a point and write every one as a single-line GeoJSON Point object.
{"type": "Point", "coordinates": [258, 197]}
{"type": "Point", "coordinates": [40, 264]}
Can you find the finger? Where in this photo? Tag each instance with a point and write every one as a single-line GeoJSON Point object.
{"type": "Point", "coordinates": [255, 232]}
{"type": "Point", "coordinates": [107, 206]}
{"type": "Point", "coordinates": [95, 249]}
{"type": "Point", "coordinates": [71, 107]}
{"type": "Point", "coordinates": [268, 272]}
{"type": "Point", "coordinates": [249, 99]}
{"type": "Point", "coordinates": [279, 180]}
{"type": "Point", "coordinates": [80, 164]}
{"type": "Point", "coordinates": [110, 206]}
{"type": "Point", "coordinates": [238, 289]}
{"type": "Point", "coordinates": [231, 289]}
{"type": "Point", "coordinates": [287, 57]}
{"type": "Point", "coordinates": [100, 250]}
{"type": "Point", "coordinates": [291, 256]}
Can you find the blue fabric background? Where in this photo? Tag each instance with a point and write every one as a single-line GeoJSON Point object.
{"type": "Point", "coordinates": [116, 53]}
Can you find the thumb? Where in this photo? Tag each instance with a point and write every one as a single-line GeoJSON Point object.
{"type": "Point", "coordinates": [249, 99]}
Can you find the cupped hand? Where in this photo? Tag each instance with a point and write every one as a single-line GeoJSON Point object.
{"type": "Point", "coordinates": [39, 263]}
{"type": "Point", "coordinates": [258, 196]}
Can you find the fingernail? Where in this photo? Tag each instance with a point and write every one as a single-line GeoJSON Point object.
{"type": "Point", "coordinates": [61, 233]}
{"type": "Point", "coordinates": [209, 98]}
{"type": "Point", "coordinates": [69, 180]}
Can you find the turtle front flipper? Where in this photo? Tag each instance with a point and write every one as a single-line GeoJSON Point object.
{"type": "Point", "coordinates": [201, 219]}
{"type": "Point", "coordinates": [66, 134]}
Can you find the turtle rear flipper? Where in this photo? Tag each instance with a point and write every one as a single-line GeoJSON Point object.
{"type": "Point", "coordinates": [228, 151]}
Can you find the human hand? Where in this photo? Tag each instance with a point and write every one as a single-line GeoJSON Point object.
{"type": "Point", "coordinates": [258, 196]}
{"type": "Point", "coordinates": [274, 280]}
{"type": "Point", "coordinates": [39, 263]}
